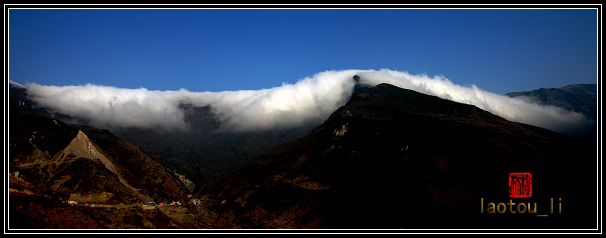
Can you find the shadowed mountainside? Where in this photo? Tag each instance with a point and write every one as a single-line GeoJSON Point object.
{"type": "Point", "coordinates": [393, 158]}
{"type": "Point", "coordinates": [202, 154]}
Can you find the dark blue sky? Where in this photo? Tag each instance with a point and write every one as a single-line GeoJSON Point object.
{"type": "Point", "coordinates": [499, 50]}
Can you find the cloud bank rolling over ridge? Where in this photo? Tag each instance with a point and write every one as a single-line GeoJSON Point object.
{"type": "Point", "coordinates": [310, 101]}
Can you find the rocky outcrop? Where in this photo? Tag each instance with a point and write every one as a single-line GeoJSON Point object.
{"type": "Point", "coordinates": [81, 147]}
{"type": "Point", "coordinates": [340, 132]}
{"type": "Point", "coordinates": [63, 159]}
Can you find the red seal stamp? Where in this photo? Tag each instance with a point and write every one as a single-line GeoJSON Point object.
{"type": "Point", "coordinates": [520, 185]}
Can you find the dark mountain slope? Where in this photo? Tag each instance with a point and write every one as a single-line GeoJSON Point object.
{"type": "Point", "coordinates": [136, 167]}
{"type": "Point", "coordinates": [394, 158]}
{"type": "Point", "coordinates": [201, 154]}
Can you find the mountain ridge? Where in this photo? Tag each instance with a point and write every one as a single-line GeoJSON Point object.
{"type": "Point", "coordinates": [355, 170]}
{"type": "Point", "coordinates": [581, 98]}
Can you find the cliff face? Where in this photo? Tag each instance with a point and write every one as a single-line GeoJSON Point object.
{"type": "Point", "coordinates": [78, 169]}
{"type": "Point", "coordinates": [137, 168]}
{"type": "Point", "coordinates": [81, 147]}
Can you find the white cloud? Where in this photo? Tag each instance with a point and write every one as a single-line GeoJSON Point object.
{"type": "Point", "coordinates": [108, 107]}
{"type": "Point", "coordinates": [309, 101]}
{"type": "Point", "coordinates": [513, 109]}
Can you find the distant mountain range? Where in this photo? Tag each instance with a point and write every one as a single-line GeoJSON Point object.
{"type": "Point", "coordinates": [390, 158]}
{"type": "Point", "coordinates": [581, 98]}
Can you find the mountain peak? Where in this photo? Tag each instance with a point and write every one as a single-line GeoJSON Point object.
{"type": "Point", "coordinates": [391, 102]}
{"type": "Point", "coordinates": [82, 147]}
{"type": "Point", "coordinates": [395, 158]}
